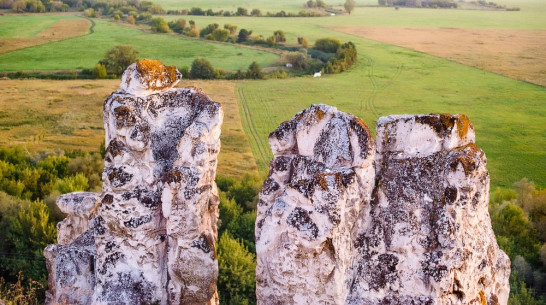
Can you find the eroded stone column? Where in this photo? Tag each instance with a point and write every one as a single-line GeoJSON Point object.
{"type": "Point", "coordinates": [428, 236]}
{"type": "Point", "coordinates": [151, 232]}
{"type": "Point", "coordinates": [320, 182]}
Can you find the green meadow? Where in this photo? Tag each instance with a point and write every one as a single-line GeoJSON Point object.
{"type": "Point", "coordinates": [27, 26]}
{"type": "Point", "coordinates": [86, 51]}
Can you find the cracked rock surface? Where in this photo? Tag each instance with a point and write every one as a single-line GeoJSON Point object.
{"type": "Point", "coordinates": [320, 182]}
{"type": "Point", "coordinates": [424, 236]}
{"type": "Point", "coordinates": [153, 229]}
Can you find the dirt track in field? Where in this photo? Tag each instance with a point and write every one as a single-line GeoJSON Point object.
{"type": "Point", "coordinates": [518, 54]}
{"type": "Point", "coordinates": [61, 30]}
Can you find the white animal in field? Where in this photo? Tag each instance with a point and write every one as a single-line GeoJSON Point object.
{"type": "Point", "coordinates": [317, 74]}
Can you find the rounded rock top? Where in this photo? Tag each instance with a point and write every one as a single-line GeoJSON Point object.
{"type": "Point", "coordinates": [149, 76]}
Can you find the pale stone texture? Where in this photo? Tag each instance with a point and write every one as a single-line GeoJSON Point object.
{"type": "Point", "coordinates": [320, 182]}
{"type": "Point", "coordinates": [428, 236]}
{"type": "Point", "coordinates": [154, 226]}
{"type": "Point", "coordinates": [78, 207]}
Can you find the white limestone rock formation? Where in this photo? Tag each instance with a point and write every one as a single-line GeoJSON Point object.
{"type": "Point", "coordinates": [428, 237]}
{"type": "Point", "coordinates": [320, 183]}
{"type": "Point", "coordinates": [154, 227]}
{"type": "Point", "coordinates": [78, 207]}
{"type": "Point", "coordinates": [71, 263]}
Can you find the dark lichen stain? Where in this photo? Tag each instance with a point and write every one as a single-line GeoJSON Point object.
{"type": "Point", "coordinates": [450, 194]}
{"type": "Point", "coordinates": [299, 219]}
{"type": "Point", "coordinates": [280, 164]}
{"type": "Point", "coordinates": [107, 199]}
{"type": "Point", "coordinates": [124, 117]}
{"type": "Point", "coordinates": [383, 272]}
{"type": "Point", "coordinates": [99, 226]}
{"type": "Point", "coordinates": [443, 123]}
{"type": "Point", "coordinates": [205, 243]}
{"type": "Point", "coordinates": [117, 176]}
{"type": "Point", "coordinates": [142, 133]}
{"type": "Point", "coordinates": [115, 148]}
{"type": "Point", "coordinates": [270, 186]}
{"type": "Point", "coordinates": [285, 129]}
{"type": "Point", "coordinates": [148, 198]}
{"type": "Point", "coordinates": [127, 288]}
{"type": "Point", "coordinates": [137, 222]}
{"type": "Point", "coordinates": [110, 261]}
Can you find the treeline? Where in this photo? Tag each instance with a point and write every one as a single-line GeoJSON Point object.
{"type": "Point", "coordinates": [518, 217]}
{"type": "Point", "coordinates": [420, 3]}
{"type": "Point", "coordinates": [29, 187]}
{"type": "Point", "coordinates": [93, 8]}
{"type": "Point", "coordinates": [241, 11]}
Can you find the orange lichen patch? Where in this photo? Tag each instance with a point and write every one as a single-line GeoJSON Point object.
{"type": "Point", "coordinates": [463, 124]}
{"type": "Point", "coordinates": [482, 298]}
{"type": "Point", "coordinates": [513, 53]}
{"type": "Point", "coordinates": [466, 158]}
{"type": "Point", "coordinates": [360, 122]}
{"type": "Point", "coordinates": [156, 75]}
{"type": "Point", "coordinates": [63, 29]}
{"type": "Point", "coordinates": [322, 179]}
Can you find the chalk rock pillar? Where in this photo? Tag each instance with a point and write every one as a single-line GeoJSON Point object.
{"type": "Point", "coordinates": [156, 226]}
{"type": "Point", "coordinates": [428, 237]}
{"type": "Point", "coordinates": [320, 182]}
{"type": "Point", "coordinates": [149, 237]}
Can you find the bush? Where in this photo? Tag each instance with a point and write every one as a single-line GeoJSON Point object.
{"type": "Point", "coordinates": [279, 36]}
{"type": "Point", "coordinates": [231, 28]}
{"type": "Point", "coordinates": [220, 35]}
{"type": "Point", "coordinates": [185, 71]}
{"type": "Point", "coordinates": [241, 11]}
{"type": "Point", "coordinates": [256, 13]}
{"type": "Point", "coordinates": [328, 45]}
{"type": "Point", "coordinates": [99, 71]}
{"type": "Point", "coordinates": [178, 25]}
{"type": "Point", "coordinates": [202, 68]}
{"type": "Point", "coordinates": [159, 25]}
{"type": "Point", "coordinates": [131, 19]}
{"type": "Point", "coordinates": [208, 29]}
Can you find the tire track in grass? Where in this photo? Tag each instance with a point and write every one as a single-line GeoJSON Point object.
{"type": "Point", "coordinates": [370, 101]}
{"type": "Point", "coordinates": [252, 129]}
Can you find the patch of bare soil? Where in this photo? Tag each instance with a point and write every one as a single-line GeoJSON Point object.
{"type": "Point", "coordinates": [61, 30]}
{"type": "Point", "coordinates": [518, 54]}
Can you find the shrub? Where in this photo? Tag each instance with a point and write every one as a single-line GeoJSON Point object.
{"type": "Point", "coordinates": [208, 29]}
{"type": "Point", "coordinates": [279, 36]}
{"type": "Point", "coordinates": [131, 19]}
{"type": "Point", "coordinates": [185, 71]}
{"type": "Point", "coordinates": [328, 45]}
{"type": "Point", "coordinates": [99, 71]}
{"type": "Point", "coordinates": [220, 35]}
{"type": "Point", "coordinates": [231, 28]}
{"type": "Point", "coordinates": [159, 25]}
{"type": "Point", "coordinates": [178, 25]}
{"type": "Point", "coordinates": [256, 13]}
{"type": "Point", "coordinates": [241, 11]}
{"type": "Point", "coordinates": [202, 68]}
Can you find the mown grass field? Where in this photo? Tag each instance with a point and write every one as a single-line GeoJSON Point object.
{"type": "Point", "coordinates": [232, 5]}
{"type": "Point", "coordinates": [86, 51]}
{"type": "Point", "coordinates": [45, 115]}
{"type": "Point", "coordinates": [509, 116]}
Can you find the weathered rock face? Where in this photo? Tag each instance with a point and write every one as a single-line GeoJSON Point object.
{"type": "Point", "coordinates": [425, 237]}
{"type": "Point", "coordinates": [320, 182]}
{"type": "Point", "coordinates": [428, 236]}
{"type": "Point", "coordinates": [154, 229]}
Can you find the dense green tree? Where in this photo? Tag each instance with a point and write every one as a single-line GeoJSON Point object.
{"type": "Point", "coordinates": [202, 68]}
{"type": "Point", "coordinates": [279, 36]}
{"type": "Point", "coordinates": [236, 276]}
{"type": "Point", "coordinates": [30, 232]}
{"type": "Point", "coordinates": [241, 11]}
{"type": "Point", "coordinates": [244, 35]}
{"type": "Point", "coordinates": [117, 59]}
{"type": "Point", "coordinates": [255, 71]}
{"type": "Point", "coordinates": [231, 28]}
{"type": "Point", "coordinates": [256, 13]}
{"type": "Point", "coordinates": [99, 71]}
{"type": "Point", "coordinates": [328, 45]}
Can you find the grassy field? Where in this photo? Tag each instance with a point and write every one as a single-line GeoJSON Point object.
{"type": "Point", "coordinates": [44, 115]}
{"type": "Point", "coordinates": [39, 30]}
{"type": "Point", "coordinates": [232, 5]}
{"type": "Point", "coordinates": [509, 116]}
{"type": "Point", "coordinates": [86, 51]}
